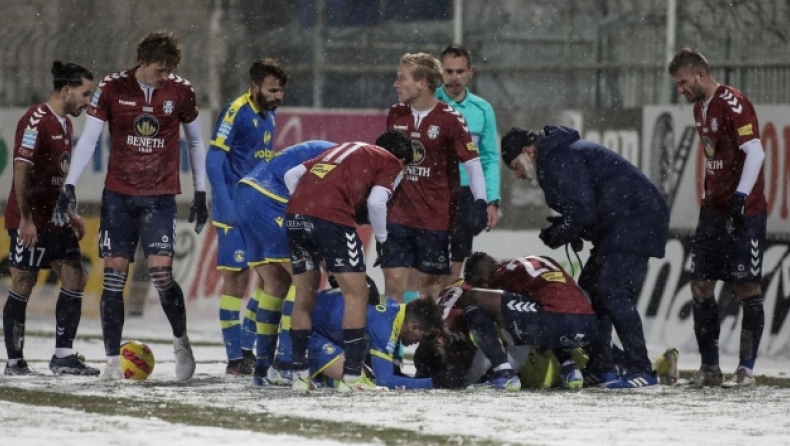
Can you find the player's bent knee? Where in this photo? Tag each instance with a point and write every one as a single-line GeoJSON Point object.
{"type": "Point", "coordinates": [746, 290]}
{"type": "Point", "coordinates": [702, 288]}
{"type": "Point", "coordinates": [162, 277]}
{"type": "Point", "coordinates": [114, 281]}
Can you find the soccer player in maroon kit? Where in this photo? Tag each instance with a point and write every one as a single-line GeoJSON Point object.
{"type": "Point", "coordinates": [730, 238]}
{"type": "Point", "coordinates": [325, 193]}
{"type": "Point", "coordinates": [422, 211]}
{"type": "Point", "coordinates": [143, 106]}
{"type": "Point", "coordinates": [539, 304]}
{"type": "Point", "coordinates": [42, 155]}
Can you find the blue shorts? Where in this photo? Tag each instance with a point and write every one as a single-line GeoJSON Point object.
{"type": "Point", "coordinates": [427, 251]}
{"type": "Point", "coordinates": [261, 221]}
{"type": "Point", "coordinates": [126, 219]}
{"type": "Point", "coordinates": [49, 248]}
{"type": "Point", "coordinates": [321, 353]}
{"type": "Point", "coordinates": [231, 252]}
{"type": "Point", "coordinates": [716, 255]}
{"type": "Point", "coordinates": [312, 240]}
{"type": "Point", "coordinates": [531, 325]}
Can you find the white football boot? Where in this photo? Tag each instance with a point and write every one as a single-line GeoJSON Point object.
{"type": "Point", "coordinates": [185, 360]}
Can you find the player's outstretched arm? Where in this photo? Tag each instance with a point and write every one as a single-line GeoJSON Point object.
{"type": "Point", "coordinates": [80, 158]}
{"type": "Point", "coordinates": [198, 210]}
{"type": "Point", "coordinates": [384, 371]}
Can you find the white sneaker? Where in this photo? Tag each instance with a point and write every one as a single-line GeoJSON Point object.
{"type": "Point", "coordinates": [112, 371]}
{"type": "Point", "coordinates": [741, 379]}
{"type": "Point", "coordinates": [185, 360]}
{"type": "Point", "coordinates": [302, 383]}
{"type": "Point", "coordinates": [280, 377]}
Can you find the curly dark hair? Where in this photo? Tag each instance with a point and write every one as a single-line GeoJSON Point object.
{"type": "Point", "coordinates": [478, 269]}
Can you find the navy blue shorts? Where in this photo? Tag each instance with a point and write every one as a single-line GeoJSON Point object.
{"type": "Point", "coordinates": [313, 239]}
{"type": "Point", "coordinates": [716, 255]}
{"type": "Point", "coordinates": [49, 248]}
{"type": "Point", "coordinates": [462, 235]}
{"type": "Point", "coordinates": [261, 221]}
{"type": "Point", "coordinates": [425, 250]}
{"type": "Point", "coordinates": [531, 325]}
{"type": "Point", "coordinates": [126, 219]}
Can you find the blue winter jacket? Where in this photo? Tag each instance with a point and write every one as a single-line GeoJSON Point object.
{"type": "Point", "coordinates": [602, 197]}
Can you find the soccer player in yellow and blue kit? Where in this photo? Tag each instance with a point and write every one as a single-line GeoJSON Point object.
{"type": "Point", "coordinates": [387, 323]}
{"type": "Point", "coordinates": [260, 201]}
{"type": "Point", "coordinates": [243, 137]}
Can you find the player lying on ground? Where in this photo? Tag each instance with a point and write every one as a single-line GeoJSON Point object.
{"type": "Point", "coordinates": [387, 323]}
{"type": "Point", "coordinates": [456, 362]}
{"type": "Point", "coordinates": [532, 298]}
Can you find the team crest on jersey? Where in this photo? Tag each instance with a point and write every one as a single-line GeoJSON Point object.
{"type": "Point", "coordinates": [267, 137]}
{"type": "Point", "coordinates": [168, 107]}
{"type": "Point", "coordinates": [433, 131]}
{"type": "Point", "coordinates": [146, 126]}
{"type": "Point", "coordinates": [65, 163]}
{"type": "Point", "coordinates": [419, 151]}
{"type": "Point", "coordinates": [710, 150]}
{"type": "Point", "coordinates": [714, 125]}
{"type": "Point", "coordinates": [328, 348]}
{"type": "Point", "coordinates": [238, 255]}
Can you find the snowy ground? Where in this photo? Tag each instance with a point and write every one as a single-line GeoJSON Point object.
{"type": "Point", "coordinates": [589, 417]}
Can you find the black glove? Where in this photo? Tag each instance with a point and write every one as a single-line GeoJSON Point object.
{"type": "Point", "coordinates": [381, 252]}
{"type": "Point", "coordinates": [479, 218]}
{"type": "Point", "coordinates": [198, 209]}
{"type": "Point", "coordinates": [577, 244]}
{"type": "Point", "coordinates": [736, 223]}
{"type": "Point", "coordinates": [67, 201]}
{"type": "Point", "coordinates": [550, 237]}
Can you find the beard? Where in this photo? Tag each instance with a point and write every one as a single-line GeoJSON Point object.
{"type": "Point", "coordinates": [73, 108]}
{"type": "Point", "coordinates": [529, 170]}
{"type": "Point", "coordinates": [268, 105]}
{"type": "Point", "coordinates": [697, 94]}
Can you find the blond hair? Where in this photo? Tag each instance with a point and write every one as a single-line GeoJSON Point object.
{"type": "Point", "coordinates": [424, 66]}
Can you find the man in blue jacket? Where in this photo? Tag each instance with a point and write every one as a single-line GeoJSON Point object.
{"type": "Point", "coordinates": [606, 200]}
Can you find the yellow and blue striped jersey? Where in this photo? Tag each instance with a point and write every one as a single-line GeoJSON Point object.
{"type": "Point", "coordinates": [246, 133]}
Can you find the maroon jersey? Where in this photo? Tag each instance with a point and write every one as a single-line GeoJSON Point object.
{"type": "Point", "coordinates": [542, 280]}
{"type": "Point", "coordinates": [341, 178]}
{"type": "Point", "coordinates": [431, 183]}
{"type": "Point", "coordinates": [730, 122]}
{"type": "Point", "coordinates": [144, 132]}
{"type": "Point", "coordinates": [43, 141]}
